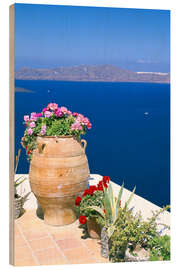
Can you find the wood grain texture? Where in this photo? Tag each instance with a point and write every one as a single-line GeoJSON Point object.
{"type": "Point", "coordinates": [11, 134]}
{"type": "Point", "coordinates": [58, 173]}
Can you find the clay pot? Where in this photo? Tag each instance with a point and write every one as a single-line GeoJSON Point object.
{"type": "Point", "coordinates": [94, 229]}
{"type": "Point", "coordinates": [58, 173]}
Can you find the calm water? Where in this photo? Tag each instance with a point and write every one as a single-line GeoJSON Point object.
{"type": "Point", "coordinates": [124, 143]}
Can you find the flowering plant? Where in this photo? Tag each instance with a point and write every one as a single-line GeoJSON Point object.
{"type": "Point", "coordinates": [93, 196]}
{"type": "Point", "coordinates": [52, 121]}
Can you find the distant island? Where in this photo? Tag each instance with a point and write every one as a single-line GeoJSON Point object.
{"type": "Point", "coordinates": [91, 73]}
{"type": "Point", "coordinates": [23, 90]}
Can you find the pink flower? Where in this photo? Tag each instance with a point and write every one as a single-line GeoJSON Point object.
{"type": "Point", "coordinates": [80, 116]}
{"type": "Point", "coordinates": [52, 106]}
{"type": "Point", "coordinates": [32, 124]}
{"type": "Point", "coordinates": [43, 130]}
{"type": "Point", "coordinates": [38, 114]}
{"type": "Point", "coordinates": [64, 110]}
{"type": "Point", "coordinates": [75, 114]}
{"type": "Point", "coordinates": [33, 116]}
{"type": "Point", "coordinates": [69, 112]}
{"type": "Point", "coordinates": [47, 114]}
{"type": "Point", "coordinates": [45, 109]}
{"type": "Point", "coordinates": [30, 131]}
{"type": "Point", "coordinates": [26, 118]}
{"type": "Point", "coordinates": [85, 121]}
{"type": "Point", "coordinates": [76, 126]}
{"type": "Point", "coordinates": [58, 112]}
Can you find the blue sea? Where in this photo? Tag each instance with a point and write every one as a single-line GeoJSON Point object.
{"type": "Point", "coordinates": [130, 135]}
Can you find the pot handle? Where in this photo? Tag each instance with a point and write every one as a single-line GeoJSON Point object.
{"type": "Point", "coordinates": [85, 144]}
{"type": "Point", "coordinates": [41, 147]}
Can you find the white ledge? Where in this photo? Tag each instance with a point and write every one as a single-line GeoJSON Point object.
{"type": "Point", "coordinates": [138, 203]}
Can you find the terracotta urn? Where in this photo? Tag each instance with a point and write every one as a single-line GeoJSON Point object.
{"type": "Point", "coordinates": [58, 173]}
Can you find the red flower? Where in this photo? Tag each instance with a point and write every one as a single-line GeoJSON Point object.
{"type": "Point", "coordinates": [120, 204]}
{"type": "Point", "coordinates": [89, 191]}
{"type": "Point", "coordinates": [106, 179]}
{"type": "Point", "coordinates": [28, 152]}
{"type": "Point", "coordinates": [77, 201]}
{"type": "Point", "coordinates": [82, 219]}
{"type": "Point", "coordinates": [100, 186]}
{"type": "Point", "coordinates": [26, 147]}
{"type": "Point", "coordinates": [92, 189]}
{"type": "Point", "coordinates": [86, 192]}
{"type": "Point", "coordinates": [105, 185]}
{"type": "Point", "coordinates": [100, 183]}
{"type": "Point", "coordinates": [104, 211]}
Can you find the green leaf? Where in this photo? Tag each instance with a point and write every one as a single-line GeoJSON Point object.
{"type": "Point", "coordinates": [110, 230]}
{"type": "Point", "coordinates": [130, 198]}
{"type": "Point", "coordinates": [98, 209]}
{"type": "Point", "coordinates": [107, 206]}
{"type": "Point", "coordinates": [17, 183]}
{"type": "Point", "coordinates": [119, 198]}
{"type": "Point", "coordinates": [112, 202]}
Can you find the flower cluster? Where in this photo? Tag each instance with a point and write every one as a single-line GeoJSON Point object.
{"type": "Point", "coordinates": [52, 121]}
{"type": "Point", "coordinates": [91, 196]}
{"type": "Point", "coordinates": [80, 121]}
{"type": "Point", "coordinates": [100, 186]}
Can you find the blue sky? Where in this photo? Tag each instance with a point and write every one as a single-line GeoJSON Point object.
{"type": "Point", "coordinates": [49, 36]}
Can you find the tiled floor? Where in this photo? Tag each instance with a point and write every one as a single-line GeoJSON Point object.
{"type": "Point", "coordinates": [39, 244]}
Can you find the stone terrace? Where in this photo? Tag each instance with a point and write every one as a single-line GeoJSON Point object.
{"type": "Point", "coordinates": [36, 243]}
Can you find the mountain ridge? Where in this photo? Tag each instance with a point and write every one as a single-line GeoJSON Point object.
{"type": "Point", "coordinates": [101, 73]}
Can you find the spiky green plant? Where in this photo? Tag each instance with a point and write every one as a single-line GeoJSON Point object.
{"type": "Point", "coordinates": [111, 207]}
{"type": "Point", "coordinates": [20, 179]}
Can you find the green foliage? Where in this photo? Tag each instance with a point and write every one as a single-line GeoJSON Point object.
{"type": "Point", "coordinates": [20, 179]}
{"type": "Point", "coordinates": [132, 230]}
{"type": "Point", "coordinates": [111, 207]}
{"type": "Point", "coordinates": [160, 248]}
{"type": "Point", "coordinates": [97, 200]}
{"type": "Point", "coordinates": [60, 127]}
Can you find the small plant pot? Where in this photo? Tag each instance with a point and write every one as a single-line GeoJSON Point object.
{"type": "Point", "coordinates": [18, 204]}
{"type": "Point", "coordinates": [94, 229]}
{"type": "Point", "coordinates": [138, 255]}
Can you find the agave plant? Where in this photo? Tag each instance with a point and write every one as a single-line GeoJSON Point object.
{"type": "Point", "coordinates": [111, 207]}
{"type": "Point", "coordinates": [17, 182]}
{"type": "Point", "coordinates": [20, 179]}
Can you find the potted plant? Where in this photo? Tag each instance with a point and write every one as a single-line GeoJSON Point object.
{"type": "Point", "coordinates": [109, 212]}
{"type": "Point", "coordinates": [59, 168]}
{"type": "Point", "coordinates": [93, 196]}
{"type": "Point", "coordinates": [18, 199]}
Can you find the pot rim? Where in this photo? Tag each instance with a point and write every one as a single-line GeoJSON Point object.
{"type": "Point", "coordinates": [63, 136]}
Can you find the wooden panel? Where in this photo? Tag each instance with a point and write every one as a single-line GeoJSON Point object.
{"type": "Point", "coordinates": [11, 134]}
